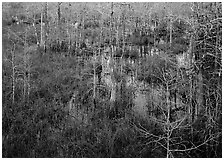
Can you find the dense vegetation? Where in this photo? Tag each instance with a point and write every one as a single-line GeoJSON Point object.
{"type": "Point", "coordinates": [112, 80]}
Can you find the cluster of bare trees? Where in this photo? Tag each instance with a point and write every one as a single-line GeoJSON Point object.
{"type": "Point", "coordinates": [177, 58]}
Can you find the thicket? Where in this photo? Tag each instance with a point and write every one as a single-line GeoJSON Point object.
{"type": "Point", "coordinates": [54, 103]}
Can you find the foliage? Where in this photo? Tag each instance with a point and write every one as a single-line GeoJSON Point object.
{"type": "Point", "coordinates": [55, 100]}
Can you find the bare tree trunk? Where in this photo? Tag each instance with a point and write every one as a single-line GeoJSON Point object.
{"type": "Point", "coordinates": [28, 81]}
{"type": "Point", "coordinates": [171, 27]}
{"type": "Point", "coordinates": [117, 33]}
{"type": "Point", "coordinates": [35, 29]}
{"type": "Point", "coordinates": [217, 68]}
{"type": "Point", "coordinates": [94, 82]}
{"type": "Point", "coordinates": [111, 28]}
{"type": "Point", "coordinates": [46, 27]}
{"type": "Point", "coordinates": [200, 93]}
{"type": "Point", "coordinates": [168, 122]}
{"type": "Point", "coordinates": [13, 74]}
{"type": "Point", "coordinates": [25, 68]}
{"type": "Point", "coordinates": [113, 86]}
{"type": "Point", "coordinates": [41, 30]}
{"type": "Point", "coordinates": [193, 107]}
{"type": "Point", "coordinates": [59, 22]}
{"type": "Point", "coordinates": [76, 32]}
{"type": "Point", "coordinates": [69, 30]}
{"type": "Point", "coordinates": [59, 13]}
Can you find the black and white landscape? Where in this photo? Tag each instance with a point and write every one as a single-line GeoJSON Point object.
{"type": "Point", "coordinates": [112, 80]}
